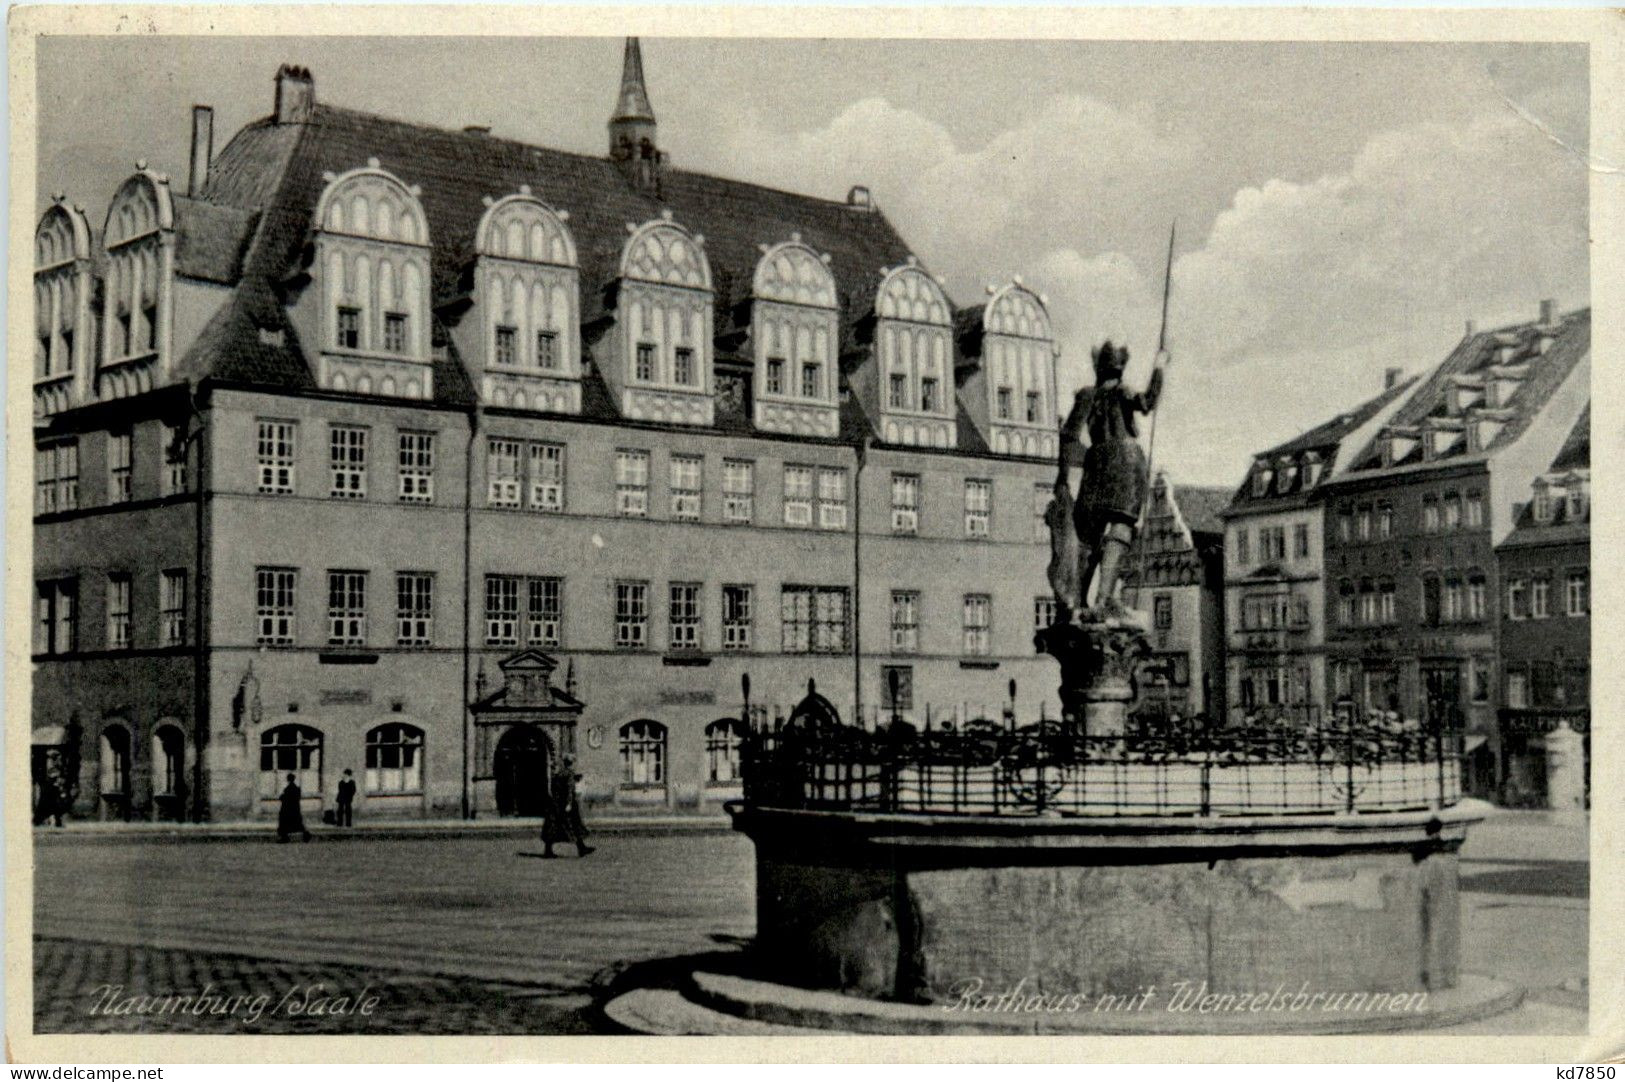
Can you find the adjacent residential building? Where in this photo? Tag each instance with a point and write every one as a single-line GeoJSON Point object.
{"type": "Point", "coordinates": [1175, 573]}
{"type": "Point", "coordinates": [1274, 578]}
{"type": "Point", "coordinates": [1411, 527]}
{"type": "Point", "coordinates": [367, 408]}
{"type": "Point", "coordinates": [1545, 689]}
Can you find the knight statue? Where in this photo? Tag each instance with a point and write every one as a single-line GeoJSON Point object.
{"type": "Point", "coordinates": [1111, 494]}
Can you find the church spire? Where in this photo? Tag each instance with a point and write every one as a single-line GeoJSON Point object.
{"type": "Point", "coordinates": [632, 143]}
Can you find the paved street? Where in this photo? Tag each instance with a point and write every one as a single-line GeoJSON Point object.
{"type": "Point", "coordinates": [478, 934]}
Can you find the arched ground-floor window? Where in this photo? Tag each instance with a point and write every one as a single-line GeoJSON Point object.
{"type": "Point", "coordinates": [723, 738]}
{"type": "Point", "coordinates": [169, 770]}
{"type": "Point", "coordinates": [394, 759]}
{"type": "Point", "coordinates": [643, 754]}
{"type": "Point", "coordinates": [291, 749]}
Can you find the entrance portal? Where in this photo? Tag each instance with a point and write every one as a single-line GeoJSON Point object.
{"type": "Point", "coordinates": [521, 769]}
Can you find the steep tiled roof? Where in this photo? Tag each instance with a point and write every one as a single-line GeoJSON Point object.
{"type": "Point", "coordinates": [1324, 440]}
{"type": "Point", "coordinates": [264, 186]}
{"type": "Point", "coordinates": [1476, 354]}
{"type": "Point", "coordinates": [1576, 450]}
{"type": "Point", "coordinates": [1561, 526]}
{"type": "Point", "coordinates": [1202, 506]}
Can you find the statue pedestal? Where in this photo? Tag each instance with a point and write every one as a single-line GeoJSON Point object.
{"type": "Point", "coordinates": [1097, 651]}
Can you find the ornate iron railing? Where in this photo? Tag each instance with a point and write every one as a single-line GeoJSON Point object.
{"type": "Point", "coordinates": [989, 768]}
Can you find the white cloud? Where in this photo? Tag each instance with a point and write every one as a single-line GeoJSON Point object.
{"type": "Point", "coordinates": [1296, 299]}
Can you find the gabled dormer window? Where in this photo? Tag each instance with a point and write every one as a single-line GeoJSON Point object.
{"type": "Point", "coordinates": [372, 245]}
{"type": "Point", "coordinates": [913, 345]}
{"type": "Point", "coordinates": [1541, 506]}
{"type": "Point", "coordinates": [1018, 362]}
{"type": "Point", "coordinates": [663, 326]}
{"type": "Point", "coordinates": [794, 335]}
{"type": "Point", "coordinates": [137, 285]}
{"type": "Point", "coordinates": [528, 321]}
{"type": "Point", "coordinates": [62, 285]}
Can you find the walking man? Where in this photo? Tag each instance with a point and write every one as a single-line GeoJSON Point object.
{"type": "Point", "coordinates": [563, 822]}
{"type": "Point", "coordinates": [345, 815]}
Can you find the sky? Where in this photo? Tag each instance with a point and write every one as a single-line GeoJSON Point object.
{"type": "Point", "coordinates": [1341, 208]}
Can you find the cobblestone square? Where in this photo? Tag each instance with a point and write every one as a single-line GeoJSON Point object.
{"type": "Point", "coordinates": [473, 935]}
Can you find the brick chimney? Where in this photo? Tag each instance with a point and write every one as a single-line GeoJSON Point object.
{"type": "Point", "coordinates": [1548, 313]}
{"type": "Point", "coordinates": [1390, 377]}
{"type": "Point", "coordinates": [202, 149]}
{"type": "Point", "coordinates": [295, 94]}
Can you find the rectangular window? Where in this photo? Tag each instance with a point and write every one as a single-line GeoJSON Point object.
{"type": "Point", "coordinates": [1452, 511]}
{"type": "Point", "coordinates": [1300, 541]}
{"type": "Point", "coordinates": [1002, 401]}
{"type": "Point", "coordinates": [347, 462]}
{"type": "Point", "coordinates": [978, 507]}
{"type": "Point", "coordinates": [544, 611]}
{"type": "Point", "coordinates": [173, 456]}
{"type": "Point", "coordinates": [1578, 594]}
{"type": "Point", "coordinates": [1454, 601]}
{"type": "Point", "coordinates": [1480, 679]}
{"type": "Point", "coordinates": [118, 612]}
{"type": "Point", "coordinates": [811, 381]}
{"type": "Point", "coordinates": [775, 375]}
{"type": "Point", "coordinates": [978, 618]}
{"type": "Point", "coordinates": [547, 350]}
{"type": "Point", "coordinates": [56, 630]}
{"type": "Point", "coordinates": [1035, 407]}
{"type": "Point", "coordinates": [1475, 510]}
{"type": "Point", "coordinates": [57, 477]}
{"type": "Point", "coordinates": [119, 452]}
{"type": "Point", "coordinates": [505, 351]}
{"type": "Point", "coordinates": [736, 617]}
{"type": "Point", "coordinates": [905, 622]}
{"type": "Point", "coordinates": [395, 332]}
{"type": "Point", "coordinates": [814, 619]}
{"type": "Point", "coordinates": [273, 605]}
{"type": "Point", "coordinates": [501, 610]}
{"type": "Point", "coordinates": [683, 617]}
{"type": "Point", "coordinates": [798, 495]}
{"type": "Point", "coordinates": [1387, 601]}
{"type": "Point", "coordinates": [346, 608]}
{"type": "Point", "coordinates": [348, 328]}
{"type": "Point", "coordinates": [416, 467]}
{"type": "Point", "coordinates": [1043, 613]}
{"type": "Point", "coordinates": [1162, 611]}
{"type": "Point", "coordinates": [645, 370]}
{"type": "Point", "coordinates": [276, 448]}
{"type": "Point", "coordinates": [898, 399]}
{"type": "Point", "coordinates": [546, 476]}
{"type": "Point", "coordinates": [831, 498]}
{"type": "Point", "coordinates": [905, 503]}
{"type": "Point", "coordinates": [502, 473]}
{"type": "Point", "coordinates": [1385, 520]}
{"type": "Point", "coordinates": [414, 608]}
{"type": "Point", "coordinates": [632, 483]}
{"type": "Point", "coordinates": [1476, 590]}
{"type": "Point", "coordinates": [1540, 597]}
{"type": "Point", "coordinates": [897, 688]}
{"type": "Point", "coordinates": [172, 607]}
{"type": "Point", "coordinates": [1345, 524]}
{"type": "Point", "coordinates": [1517, 600]}
{"type": "Point", "coordinates": [631, 615]}
{"type": "Point", "coordinates": [1241, 546]}
{"type": "Point", "coordinates": [928, 396]}
{"type": "Point", "coordinates": [1363, 523]}
{"type": "Point", "coordinates": [687, 487]}
{"type": "Point", "coordinates": [683, 366]}
{"type": "Point", "coordinates": [1518, 690]}
{"type": "Point", "coordinates": [738, 490]}
{"type": "Point", "coordinates": [1430, 514]}
{"type": "Point", "coordinates": [1041, 498]}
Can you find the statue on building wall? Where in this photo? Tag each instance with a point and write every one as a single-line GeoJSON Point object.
{"type": "Point", "coordinates": [1111, 494]}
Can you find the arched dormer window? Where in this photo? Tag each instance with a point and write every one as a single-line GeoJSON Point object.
{"type": "Point", "coordinates": [61, 305]}
{"type": "Point", "coordinates": [664, 325]}
{"type": "Point", "coordinates": [1018, 362]}
{"type": "Point", "coordinates": [914, 342]}
{"type": "Point", "coordinates": [372, 248]}
{"type": "Point", "coordinates": [795, 334]}
{"type": "Point", "coordinates": [138, 284]}
{"type": "Point", "coordinates": [530, 305]}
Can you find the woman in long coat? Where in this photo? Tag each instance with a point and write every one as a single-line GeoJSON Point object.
{"type": "Point", "coordinates": [290, 818]}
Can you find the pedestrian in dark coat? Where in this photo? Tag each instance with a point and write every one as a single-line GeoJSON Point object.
{"type": "Point", "coordinates": [345, 812]}
{"type": "Point", "coordinates": [563, 823]}
{"type": "Point", "coordinates": [290, 818]}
